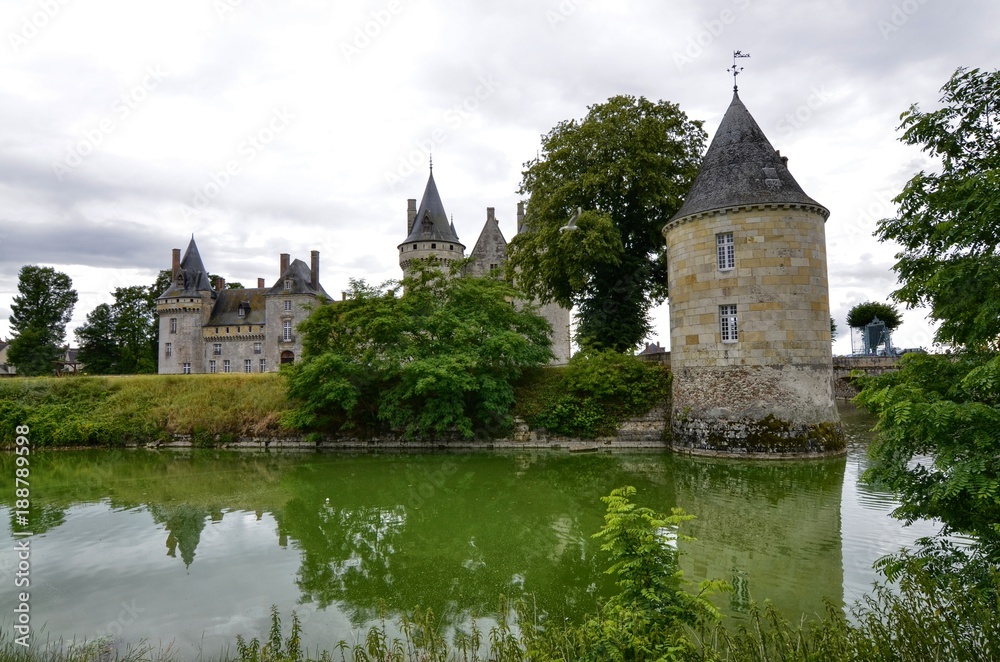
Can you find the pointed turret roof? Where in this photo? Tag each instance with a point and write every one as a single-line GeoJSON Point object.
{"type": "Point", "coordinates": [742, 168]}
{"type": "Point", "coordinates": [431, 222]}
{"type": "Point", "coordinates": [193, 276]}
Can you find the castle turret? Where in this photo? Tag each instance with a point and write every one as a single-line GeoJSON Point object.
{"type": "Point", "coordinates": [183, 309]}
{"type": "Point", "coordinates": [749, 305]}
{"type": "Point", "coordinates": [431, 235]}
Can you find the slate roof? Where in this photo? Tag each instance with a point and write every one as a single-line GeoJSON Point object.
{"type": "Point", "coordinates": [226, 311]}
{"type": "Point", "coordinates": [742, 168]}
{"type": "Point", "coordinates": [431, 209]}
{"type": "Point", "coordinates": [301, 276]}
{"type": "Point", "coordinates": [194, 276]}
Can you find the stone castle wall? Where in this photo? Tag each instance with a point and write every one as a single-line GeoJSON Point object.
{"type": "Point", "coordinates": [773, 385]}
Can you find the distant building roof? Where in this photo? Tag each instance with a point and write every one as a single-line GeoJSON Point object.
{"type": "Point", "coordinates": [431, 222]}
{"type": "Point", "coordinates": [742, 168]}
{"type": "Point", "coordinates": [300, 275]}
{"type": "Point", "coordinates": [226, 311]}
{"type": "Point", "coordinates": [193, 277]}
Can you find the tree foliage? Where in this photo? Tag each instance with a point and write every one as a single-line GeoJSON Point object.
{"type": "Point", "coordinates": [862, 314]}
{"type": "Point", "coordinates": [627, 165]}
{"type": "Point", "coordinates": [434, 360]}
{"type": "Point", "coordinates": [121, 338]}
{"type": "Point", "coordinates": [40, 312]}
{"type": "Point", "coordinates": [938, 442]}
{"type": "Point", "coordinates": [947, 221]}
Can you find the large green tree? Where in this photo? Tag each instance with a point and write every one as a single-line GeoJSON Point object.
{"type": "Point", "coordinates": [41, 310]}
{"type": "Point", "coordinates": [627, 165]}
{"type": "Point", "coordinates": [121, 338]}
{"type": "Point", "coordinates": [947, 223]}
{"type": "Point", "coordinates": [432, 355]}
{"type": "Point", "coordinates": [939, 416]}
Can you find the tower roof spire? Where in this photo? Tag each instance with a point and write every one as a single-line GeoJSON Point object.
{"type": "Point", "coordinates": [736, 70]}
{"type": "Point", "coordinates": [742, 168]}
{"type": "Point", "coordinates": [431, 221]}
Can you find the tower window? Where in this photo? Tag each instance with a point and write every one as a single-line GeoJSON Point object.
{"type": "Point", "coordinates": [727, 322]}
{"type": "Point", "coordinates": [169, 350]}
{"type": "Point", "coordinates": [434, 245]}
{"type": "Point", "coordinates": [726, 250]}
{"type": "Point", "coordinates": [173, 325]}
{"type": "Point", "coordinates": [286, 330]}
{"type": "Point", "coordinates": [451, 247]}
{"type": "Point", "coordinates": [217, 349]}
{"type": "Point", "coordinates": [288, 304]}
{"type": "Point", "coordinates": [256, 348]}
{"type": "Point", "coordinates": [186, 368]}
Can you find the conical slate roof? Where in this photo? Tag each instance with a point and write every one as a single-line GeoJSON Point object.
{"type": "Point", "coordinates": [193, 275]}
{"type": "Point", "coordinates": [741, 168]}
{"type": "Point", "coordinates": [431, 222]}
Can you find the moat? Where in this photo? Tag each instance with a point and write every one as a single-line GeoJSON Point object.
{"type": "Point", "coordinates": [191, 548]}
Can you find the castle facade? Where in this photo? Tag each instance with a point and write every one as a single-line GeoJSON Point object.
{"type": "Point", "coordinates": [208, 328]}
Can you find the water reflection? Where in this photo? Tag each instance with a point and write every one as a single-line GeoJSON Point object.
{"type": "Point", "coordinates": [205, 542]}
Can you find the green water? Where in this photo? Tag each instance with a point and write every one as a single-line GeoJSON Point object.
{"type": "Point", "coordinates": [192, 548]}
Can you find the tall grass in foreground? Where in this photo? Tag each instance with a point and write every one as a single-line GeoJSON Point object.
{"type": "Point", "coordinates": [110, 411]}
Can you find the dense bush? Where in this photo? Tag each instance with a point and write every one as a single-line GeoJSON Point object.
{"type": "Point", "coordinates": [593, 395]}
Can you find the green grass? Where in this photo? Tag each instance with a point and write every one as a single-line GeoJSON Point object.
{"type": "Point", "coordinates": [114, 411]}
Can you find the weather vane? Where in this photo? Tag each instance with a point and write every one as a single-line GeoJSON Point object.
{"type": "Point", "coordinates": [736, 70]}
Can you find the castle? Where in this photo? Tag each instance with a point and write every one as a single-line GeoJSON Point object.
{"type": "Point", "coordinates": [750, 342]}
{"type": "Point", "coordinates": [207, 328]}
{"type": "Point", "coordinates": [751, 352]}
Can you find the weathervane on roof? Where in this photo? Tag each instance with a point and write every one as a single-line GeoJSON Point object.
{"type": "Point", "coordinates": [736, 70]}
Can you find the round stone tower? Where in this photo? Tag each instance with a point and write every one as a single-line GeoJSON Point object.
{"type": "Point", "coordinates": [430, 235]}
{"type": "Point", "coordinates": [749, 305]}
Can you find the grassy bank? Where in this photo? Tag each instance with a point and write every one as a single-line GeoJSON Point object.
{"type": "Point", "coordinates": [588, 398]}
{"type": "Point", "coordinates": [112, 411]}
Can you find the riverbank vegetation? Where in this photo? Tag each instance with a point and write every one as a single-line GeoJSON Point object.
{"type": "Point", "coordinates": [143, 409]}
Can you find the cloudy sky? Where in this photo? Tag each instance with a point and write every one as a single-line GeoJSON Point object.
{"type": "Point", "coordinates": [265, 127]}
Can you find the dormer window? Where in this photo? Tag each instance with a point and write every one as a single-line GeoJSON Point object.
{"type": "Point", "coordinates": [288, 283]}
{"type": "Point", "coordinates": [426, 225]}
{"type": "Point", "coordinates": [243, 309]}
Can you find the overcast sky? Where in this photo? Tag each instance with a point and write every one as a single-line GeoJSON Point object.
{"type": "Point", "coordinates": [266, 127]}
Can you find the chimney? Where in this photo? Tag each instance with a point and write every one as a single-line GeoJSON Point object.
{"type": "Point", "coordinates": [490, 214]}
{"type": "Point", "coordinates": [220, 283]}
{"type": "Point", "coordinates": [175, 264]}
{"type": "Point", "coordinates": [314, 270]}
{"type": "Point", "coordinates": [260, 282]}
{"type": "Point", "coordinates": [520, 215]}
{"type": "Point", "coordinates": [411, 215]}
{"type": "Point", "coordinates": [284, 264]}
